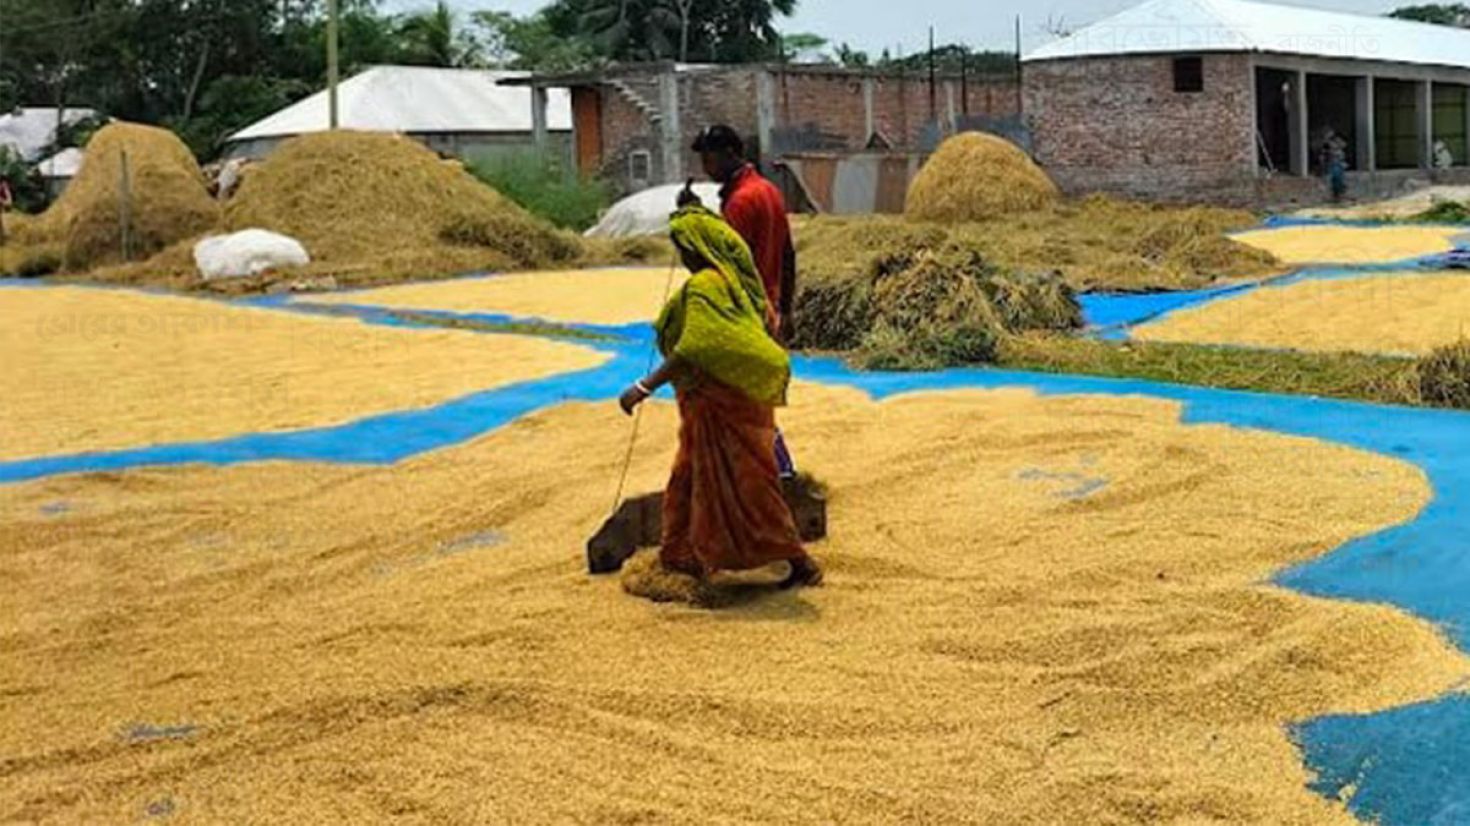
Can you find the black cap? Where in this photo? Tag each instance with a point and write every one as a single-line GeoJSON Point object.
{"type": "Point", "coordinates": [719, 138]}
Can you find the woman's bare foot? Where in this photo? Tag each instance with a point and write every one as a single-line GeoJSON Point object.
{"type": "Point", "coordinates": [804, 572]}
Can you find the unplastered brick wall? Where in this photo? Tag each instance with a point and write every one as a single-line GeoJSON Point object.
{"type": "Point", "coordinates": [822, 108]}
{"type": "Point", "coordinates": [1117, 125]}
{"type": "Point", "coordinates": [828, 109]}
{"type": "Point", "coordinates": [626, 130]}
{"type": "Point", "coordinates": [726, 96]}
{"type": "Point", "coordinates": [812, 111]}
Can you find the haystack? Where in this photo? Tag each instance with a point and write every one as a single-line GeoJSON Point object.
{"type": "Point", "coordinates": [168, 200]}
{"type": "Point", "coordinates": [384, 205]}
{"type": "Point", "coordinates": [907, 296]}
{"type": "Point", "coordinates": [974, 176]}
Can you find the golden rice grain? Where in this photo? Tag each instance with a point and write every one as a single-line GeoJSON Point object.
{"type": "Point", "coordinates": [612, 296]}
{"type": "Point", "coordinates": [1405, 314]}
{"type": "Point", "coordinates": [1327, 244]}
{"type": "Point", "coordinates": [89, 369]}
{"type": "Point", "coordinates": [1037, 610]}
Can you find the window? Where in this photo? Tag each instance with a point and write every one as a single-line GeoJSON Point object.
{"type": "Point", "coordinates": [1396, 124]}
{"type": "Point", "coordinates": [1189, 74]}
{"type": "Point", "coordinates": [640, 167]}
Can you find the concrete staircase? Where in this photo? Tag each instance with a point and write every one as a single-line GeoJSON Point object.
{"type": "Point", "coordinates": [639, 98]}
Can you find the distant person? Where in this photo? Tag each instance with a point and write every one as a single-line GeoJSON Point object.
{"type": "Point", "coordinates": [7, 200]}
{"type": "Point", "coordinates": [723, 509]}
{"type": "Point", "coordinates": [1334, 163]}
{"type": "Point", "coordinates": [1443, 157]}
{"type": "Point", "coordinates": [755, 208]}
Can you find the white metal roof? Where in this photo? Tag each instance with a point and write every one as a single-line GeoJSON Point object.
{"type": "Point", "coordinates": [418, 100]}
{"type": "Point", "coordinates": [30, 130]}
{"type": "Point", "coordinates": [64, 164]}
{"type": "Point", "coordinates": [1159, 26]}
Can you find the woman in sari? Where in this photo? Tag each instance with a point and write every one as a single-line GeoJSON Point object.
{"type": "Point", "coordinates": [723, 509]}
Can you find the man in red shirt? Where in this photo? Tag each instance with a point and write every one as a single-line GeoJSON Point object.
{"type": "Point", "coordinates": [757, 210]}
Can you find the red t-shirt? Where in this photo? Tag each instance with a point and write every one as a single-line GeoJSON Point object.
{"type": "Point", "coordinates": [755, 208]}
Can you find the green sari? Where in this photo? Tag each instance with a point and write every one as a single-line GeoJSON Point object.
{"type": "Point", "coordinates": [717, 321]}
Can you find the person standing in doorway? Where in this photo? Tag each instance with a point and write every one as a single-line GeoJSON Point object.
{"type": "Point", "coordinates": [755, 208]}
{"type": "Point", "coordinates": [1334, 163]}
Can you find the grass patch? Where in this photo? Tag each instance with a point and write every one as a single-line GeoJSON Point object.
{"type": "Point", "coordinates": [1442, 378]}
{"type": "Point", "coordinates": [1361, 377]}
{"type": "Point", "coordinates": [544, 187]}
{"type": "Point", "coordinates": [525, 328]}
{"type": "Point", "coordinates": [1445, 212]}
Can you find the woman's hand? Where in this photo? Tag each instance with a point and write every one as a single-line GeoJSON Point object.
{"type": "Point", "coordinates": [631, 398]}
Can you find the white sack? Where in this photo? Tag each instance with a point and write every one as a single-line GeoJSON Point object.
{"type": "Point", "coordinates": [248, 252]}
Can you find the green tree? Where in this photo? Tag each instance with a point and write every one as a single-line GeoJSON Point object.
{"type": "Point", "coordinates": [729, 31]}
{"type": "Point", "coordinates": [803, 47]}
{"type": "Point", "coordinates": [631, 29]}
{"type": "Point", "coordinates": [955, 58]}
{"type": "Point", "coordinates": [435, 38]}
{"type": "Point", "coordinates": [1453, 14]}
{"type": "Point", "coordinates": [852, 58]}
{"type": "Point", "coordinates": [547, 41]}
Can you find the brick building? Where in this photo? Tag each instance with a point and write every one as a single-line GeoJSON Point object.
{"type": "Point", "coordinates": [1231, 101]}
{"type": "Point", "coordinates": [847, 140]}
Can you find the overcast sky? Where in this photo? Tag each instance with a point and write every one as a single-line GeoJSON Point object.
{"type": "Point", "coordinates": [876, 24]}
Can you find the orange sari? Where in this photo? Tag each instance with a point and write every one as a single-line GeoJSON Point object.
{"type": "Point", "coordinates": [723, 509]}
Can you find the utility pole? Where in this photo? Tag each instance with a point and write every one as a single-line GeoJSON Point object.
{"type": "Point", "coordinates": [933, 109]}
{"type": "Point", "coordinates": [1020, 98]}
{"type": "Point", "coordinates": [332, 63]}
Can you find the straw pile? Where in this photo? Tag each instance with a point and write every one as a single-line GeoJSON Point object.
{"type": "Point", "coordinates": [84, 229]}
{"type": "Point", "coordinates": [28, 252]}
{"type": "Point", "coordinates": [1094, 243]}
{"type": "Point", "coordinates": [370, 205]}
{"type": "Point", "coordinates": [1037, 610]}
{"type": "Point", "coordinates": [88, 369]}
{"type": "Point", "coordinates": [1394, 314]}
{"type": "Point", "coordinates": [168, 198]}
{"type": "Point", "coordinates": [975, 176]}
{"type": "Point", "coordinates": [908, 296]}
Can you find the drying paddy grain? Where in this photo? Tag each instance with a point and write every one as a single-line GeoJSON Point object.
{"type": "Point", "coordinates": [1038, 610]}
{"type": "Point", "coordinates": [89, 369]}
{"type": "Point", "coordinates": [1328, 244]}
{"type": "Point", "coordinates": [610, 296]}
{"type": "Point", "coordinates": [1399, 314]}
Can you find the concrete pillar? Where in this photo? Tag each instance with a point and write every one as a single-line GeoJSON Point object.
{"type": "Point", "coordinates": [1424, 116]}
{"type": "Point", "coordinates": [765, 111]}
{"type": "Point", "coordinates": [869, 122]}
{"type": "Point", "coordinates": [671, 143]}
{"type": "Point", "coordinates": [951, 116]}
{"type": "Point", "coordinates": [538, 118]}
{"type": "Point", "coordinates": [1253, 140]}
{"type": "Point", "coordinates": [1367, 148]}
{"type": "Point", "coordinates": [1301, 148]}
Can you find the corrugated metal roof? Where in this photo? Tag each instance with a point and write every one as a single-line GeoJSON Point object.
{"type": "Point", "coordinates": [1160, 26]}
{"type": "Point", "coordinates": [30, 130]}
{"type": "Point", "coordinates": [418, 100]}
